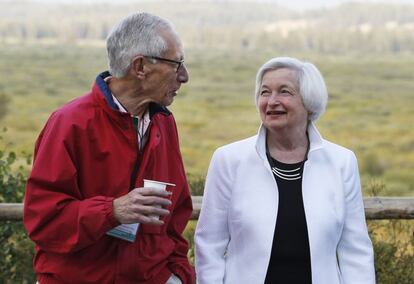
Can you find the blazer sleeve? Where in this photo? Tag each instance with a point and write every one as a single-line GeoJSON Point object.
{"type": "Point", "coordinates": [56, 216]}
{"type": "Point", "coordinates": [355, 252]}
{"type": "Point", "coordinates": [212, 232]}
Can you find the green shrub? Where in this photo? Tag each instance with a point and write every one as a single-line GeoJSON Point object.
{"type": "Point", "coordinates": [16, 251]}
{"type": "Point", "coordinates": [189, 235]}
{"type": "Point", "coordinates": [196, 184]}
{"type": "Point", "coordinates": [393, 243]}
{"type": "Point", "coordinates": [372, 165]}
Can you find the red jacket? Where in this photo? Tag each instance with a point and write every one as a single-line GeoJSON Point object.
{"type": "Point", "coordinates": [85, 157]}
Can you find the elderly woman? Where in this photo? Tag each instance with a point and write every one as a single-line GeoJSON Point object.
{"type": "Point", "coordinates": [284, 206]}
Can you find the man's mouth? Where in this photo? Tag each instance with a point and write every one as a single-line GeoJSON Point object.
{"type": "Point", "coordinates": [174, 93]}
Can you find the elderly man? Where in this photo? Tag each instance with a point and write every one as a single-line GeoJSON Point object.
{"type": "Point", "coordinates": [86, 207]}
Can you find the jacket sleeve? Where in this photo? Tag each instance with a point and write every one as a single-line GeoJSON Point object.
{"type": "Point", "coordinates": [56, 216]}
{"type": "Point", "coordinates": [355, 252]}
{"type": "Point", "coordinates": [212, 234]}
{"type": "Point", "coordinates": [178, 261]}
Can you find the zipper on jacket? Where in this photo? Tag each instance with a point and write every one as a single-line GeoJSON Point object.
{"type": "Point", "coordinates": [140, 152]}
{"type": "Point", "coordinates": [134, 173]}
{"type": "Point", "coordinates": [137, 163]}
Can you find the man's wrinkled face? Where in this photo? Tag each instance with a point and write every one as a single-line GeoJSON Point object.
{"type": "Point", "coordinates": [165, 78]}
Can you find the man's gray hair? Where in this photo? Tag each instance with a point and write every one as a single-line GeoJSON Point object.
{"type": "Point", "coordinates": [312, 87]}
{"type": "Point", "coordinates": [136, 34]}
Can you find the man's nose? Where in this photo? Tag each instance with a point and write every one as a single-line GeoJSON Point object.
{"type": "Point", "coordinates": [183, 75]}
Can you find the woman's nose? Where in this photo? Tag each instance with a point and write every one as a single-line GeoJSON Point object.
{"type": "Point", "coordinates": [273, 99]}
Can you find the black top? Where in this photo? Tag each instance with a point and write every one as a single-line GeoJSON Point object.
{"type": "Point", "coordinates": [290, 257]}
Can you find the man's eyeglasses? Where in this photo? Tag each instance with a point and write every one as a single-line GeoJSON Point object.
{"type": "Point", "coordinates": [178, 63]}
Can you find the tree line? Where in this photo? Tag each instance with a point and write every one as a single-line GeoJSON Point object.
{"type": "Point", "coordinates": [355, 27]}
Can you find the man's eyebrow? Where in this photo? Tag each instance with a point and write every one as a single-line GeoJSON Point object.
{"type": "Point", "coordinates": [180, 56]}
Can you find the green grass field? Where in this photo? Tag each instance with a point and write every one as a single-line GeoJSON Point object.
{"type": "Point", "coordinates": [370, 111]}
{"type": "Point", "coordinates": [370, 108]}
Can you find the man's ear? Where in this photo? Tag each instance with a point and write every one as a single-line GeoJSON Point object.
{"type": "Point", "coordinates": [137, 67]}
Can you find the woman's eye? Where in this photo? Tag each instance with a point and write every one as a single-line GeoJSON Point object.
{"type": "Point", "coordinates": [265, 93]}
{"type": "Point", "coordinates": [285, 92]}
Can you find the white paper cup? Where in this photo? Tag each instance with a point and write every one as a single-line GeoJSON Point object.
{"type": "Point", "coordinates": [158, 185]}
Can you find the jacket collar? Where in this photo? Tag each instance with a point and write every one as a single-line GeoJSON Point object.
{"type": "Point", "coordinates": [315, 139]}
{"type": "Point", "coordinates": [106, 92]}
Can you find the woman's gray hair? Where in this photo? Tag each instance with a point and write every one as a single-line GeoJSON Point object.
{"type": "Point", "coordinates": [311, 84]}
{"type": "Point", "coordinates": [136, 34]}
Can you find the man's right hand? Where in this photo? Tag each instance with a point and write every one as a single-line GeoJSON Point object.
{"type": "Point", "coordinates": [141, 205]}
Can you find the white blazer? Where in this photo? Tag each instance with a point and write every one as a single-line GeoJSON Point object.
{"type": "Point", "coordinates": [235, 229]}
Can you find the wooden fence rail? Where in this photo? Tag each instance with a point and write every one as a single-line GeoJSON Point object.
{"type": "Point", "coordinates": [376, 208]}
